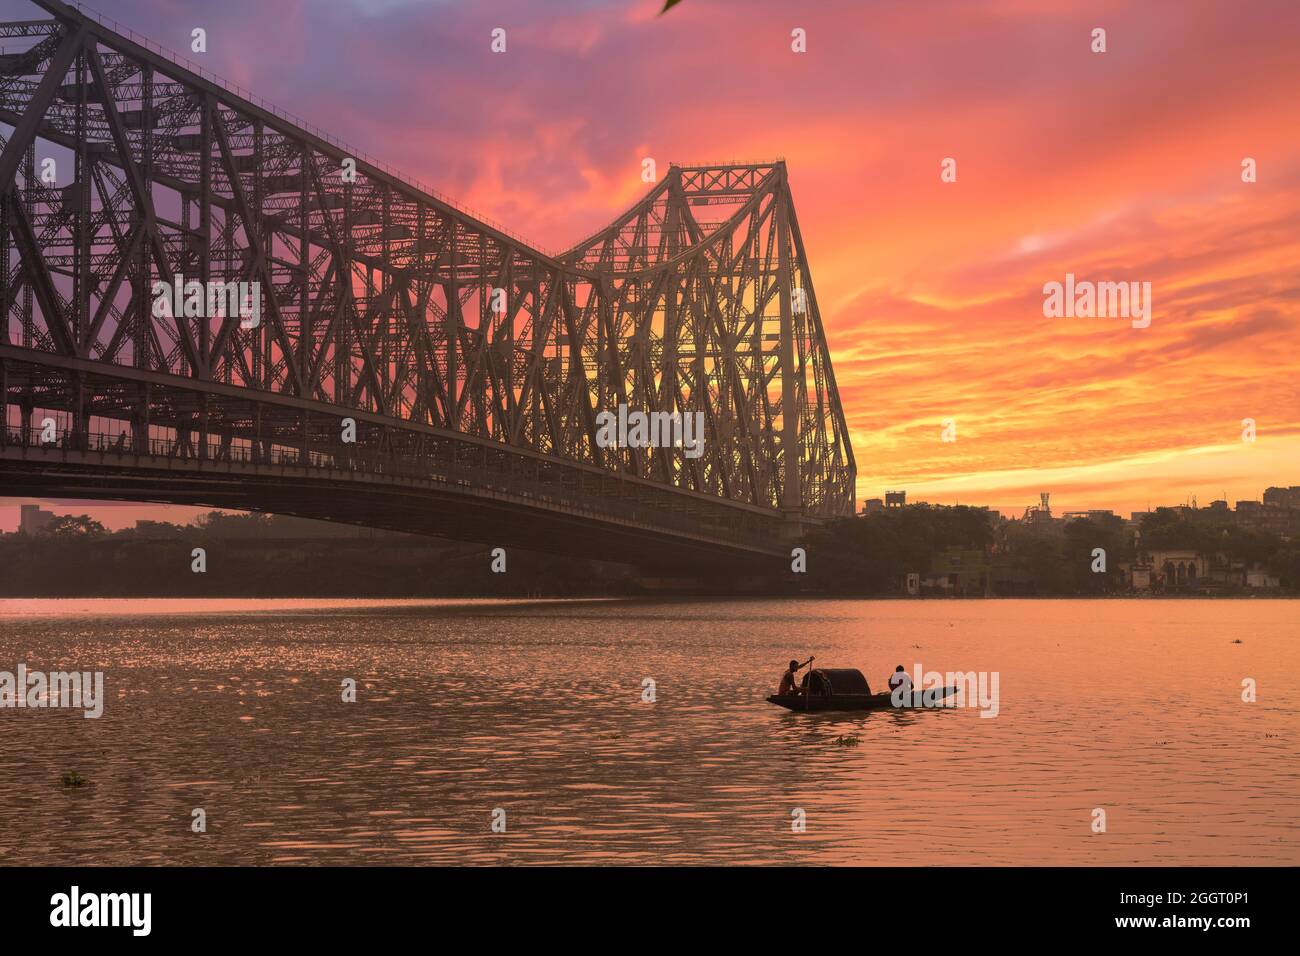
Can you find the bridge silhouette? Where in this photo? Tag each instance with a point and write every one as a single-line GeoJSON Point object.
{"type": "Point", "coordinates": [408, 365]}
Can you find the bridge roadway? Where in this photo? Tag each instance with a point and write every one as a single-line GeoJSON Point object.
{"type": "Point", "coordinates": [431, 481]}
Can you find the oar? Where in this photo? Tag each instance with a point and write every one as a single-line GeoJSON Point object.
{"type": "Point", "coordinates": [808, 691]}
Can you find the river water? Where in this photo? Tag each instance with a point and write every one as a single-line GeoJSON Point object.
{"type": "Point", "coordinates": [533, 714]}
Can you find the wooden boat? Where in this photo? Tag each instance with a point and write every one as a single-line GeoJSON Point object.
{"type": "Point", "coordinates": [846, 689]}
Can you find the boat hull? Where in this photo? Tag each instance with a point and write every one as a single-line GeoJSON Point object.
{"type": "Point", "coordinates": [929, 699]}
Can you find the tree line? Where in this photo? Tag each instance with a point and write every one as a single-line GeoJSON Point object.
{"type": "Point", "coordinates": [872, 554]}
{"type": "Point", "coordinates": [257, 555]}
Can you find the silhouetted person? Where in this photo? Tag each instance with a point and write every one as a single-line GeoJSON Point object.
{"type": "Point", "coordinates": [899, 677]}
{"type": "Point", "coordinates": [788, 684]}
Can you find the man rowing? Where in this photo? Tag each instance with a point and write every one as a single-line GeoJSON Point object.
{"type": "Point", "coordinates": [788, 682]}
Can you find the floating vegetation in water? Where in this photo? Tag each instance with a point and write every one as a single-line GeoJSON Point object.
{"type": "Point", "coordinates": [1237, 641]}
{"type": "Point", "coordinates": [73, 779]}
{"type": "Point", "coordinates": [847, 741]}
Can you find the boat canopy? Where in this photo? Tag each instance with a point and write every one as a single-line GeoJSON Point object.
{"type": "Point", "coordinates": [837, 682]}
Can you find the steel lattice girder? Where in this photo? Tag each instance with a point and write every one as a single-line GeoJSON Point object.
{"type": "Point", "coordinates": [378, 297]}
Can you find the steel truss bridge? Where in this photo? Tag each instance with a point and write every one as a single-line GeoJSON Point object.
{"type": "Point", "coordinates": [473, 365]}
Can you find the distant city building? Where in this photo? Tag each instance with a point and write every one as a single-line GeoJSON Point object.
{"type": "Point", "coordinates": [1211, 569]}
{"type": "Point", "coordinates": [959, 571]}
{"type": "Point", "coordinates": [33, 519]}
{"type": "Point", "coordinates": [1257, 577]}
{"type": "Point", "coordinates": [1274, 519]}
{"type": "Point", "coordinates": [1283, 497]}
{"type": "Point", "coordinates": [1169, 570]}
{"type": "Point", "coordinates": [897, 500]}
{"type": "Point", "coordinates": [1278, 514]}
{"type": "Point", "coordinates": [1187, 570]}
{"type": "Point", "coordinates": [1095, 514]}
{"type": "Point", "coordinates": [1039, 516]}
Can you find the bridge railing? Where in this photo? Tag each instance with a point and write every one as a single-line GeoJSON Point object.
{"type": "Point", "coordinates": [216, 453]}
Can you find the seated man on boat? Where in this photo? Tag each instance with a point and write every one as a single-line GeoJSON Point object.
{"type": "Point", "coordinates": [788, 683]}
{"type": "Point", "coordinates": [900, 687]}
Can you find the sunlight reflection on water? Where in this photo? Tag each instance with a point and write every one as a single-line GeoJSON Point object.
{"type": "Point", "coordinates": [535, 708]}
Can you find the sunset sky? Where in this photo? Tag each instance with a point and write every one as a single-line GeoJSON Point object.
{"type": "Point", "coordinates": [1124, 165]}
